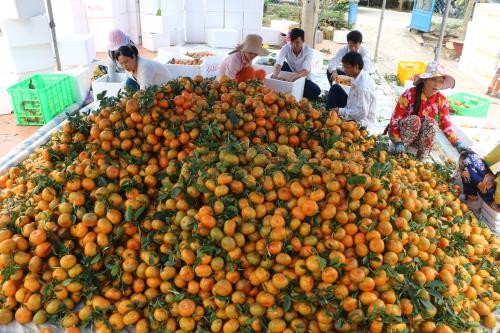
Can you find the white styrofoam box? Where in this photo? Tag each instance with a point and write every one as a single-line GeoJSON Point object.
{"type": "Point", "coordinates": [271, 36]}
{"type": "Point", "coordinates": [340, 36]}
{"type": "Point", "coordinates": [233, 20]}
{"type": "Point", "coordinates": [32, 58]}
{"type": "Point", "coordinates": [105, 8]}
{"type": "Point", "coordinates": [132, 6]}
{"type": "Point", "coordinates": [317, 62]}
{"type": "Point", "coordinates": [252, 20]}
{"type": "Point", "coordinates": [101, 27]}
{"type": "Point", "coordinates": [234, 6]}
{"type": "Point", "coordinates": [149, 6]}
{"type": "Point", "coordinates": [16, 9]}
{"type": "Point", "coordinates": [214, 5]}
{"type": "Point", "coordinates": [253, 6]}
{"type": "Point", "coordinates": [177, 36]}
{"type": "Point", "coordinates": [25, 32]}
{"type": "Point", "coordinates": [157, 24]}
{"type": "Point", "coordinates": [194, 5]}
{"type": "Point", "coordinates": [223, 37]}
{"type": "Point", "coordinates": [319, 36]}
{"type": "Point", "coordinates": [152, 41]}
{"type": "Point", "coordinates": [346, 87]}
{"type": "Point", "coordinates": [76, 50]}
{"type": "Point", "coordinates": [195, 34]}
{"type": "Point", "coordinates": [134, 35]}
{"type": "Point", "coordinates": [208, 68]}
{"type": "Point", "coordinates": [112, 88]}
{"type": "Point", "coordinates": [247, 31]}
{"type": "Point", "coordinates": [295, 88]}
{"type": "Point", "coordinates": [70, 17]}
{"type": "Point", "coordinates": [195, 19]}
{"type": "Point", "coordinates": [165, 53]}
{"type": "Point", "coordinates": [283, 26]}
{"type": "Point", "coordinates": [214, 20]}
{"type": "Point", "coordinates": [82, 81]}
{"type": "Point", "coordinates": [171, 7]}
{"type": "Point", "coordinates": [133, 22]}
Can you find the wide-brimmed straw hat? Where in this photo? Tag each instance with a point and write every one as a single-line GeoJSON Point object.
{"type": "Point", "coordinates": [252, 44]}
{"type": "Point", "coordinates": [117, 39]}
{"type": "Point", "coordinates": [435, 70]}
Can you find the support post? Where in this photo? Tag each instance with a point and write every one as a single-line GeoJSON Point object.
{"type": "Point", "coordinates": [53, 31]}
{"type": "Point", "coordinates": [375, 56]}
{"type": "Point", "coordinates": [308, 19]}
{"type": "Point", "coordinates": [439, 45]}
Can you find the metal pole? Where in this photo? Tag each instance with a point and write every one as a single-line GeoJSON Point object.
{"type": "Point", "coordinates": [54, 37]}
{"type": "Point", "coordinates": [375, 56]}
{"type": "Point", "coordinates": [439, 45]}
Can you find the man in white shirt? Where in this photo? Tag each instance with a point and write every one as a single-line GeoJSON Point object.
{"type": "Point", "coordinates": [360, 104]}
{"type": "Point", "coordinates": [297, 57]}
{"type": "Point", "coordinates": [354, 40]}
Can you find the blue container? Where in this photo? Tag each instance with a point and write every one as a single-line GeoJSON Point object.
{"type": "Point", "coordinates": [353, 13]}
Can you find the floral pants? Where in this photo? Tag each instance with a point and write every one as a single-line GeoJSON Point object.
{"type": "Point", "coordinates": [477, 178]}
{"type": "Point", "coordinates": [419, 133]}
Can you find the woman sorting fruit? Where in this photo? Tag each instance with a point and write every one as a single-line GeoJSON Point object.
{"type": "Point", "coordinates": [238, 64]}
{"type": "Point", "coordinates": [143, 72]}
{"type": "Point", "coordinates": [478, 176]}
{"type": "Point", "coordinates": [117, 38]}
{"type": "Point", "coordinates": [413, 122]}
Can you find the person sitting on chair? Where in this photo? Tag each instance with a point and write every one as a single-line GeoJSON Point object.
{"type": "Point", "coordinates": [354, 40]}
{"type": "Point", "coordinates": [360, 104]}
{"type": "Point", "coordinates": [297, 57]}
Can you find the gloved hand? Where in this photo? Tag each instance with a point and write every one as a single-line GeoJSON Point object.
{"type": "Point", "coordinates": [460, 146]}
{"type": "Point", "coordinates": [399, 148]}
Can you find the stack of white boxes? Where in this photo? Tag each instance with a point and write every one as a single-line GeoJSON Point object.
{"type": "Point", "coordinates": [233, 16]}
{"type": "Point", "coordinates": [27, 32]}
{"type": "Point", "coordinates": [133, 20]}
{"type": "Point", "coordinates": [214, 16]}
{"type": "Point", "coordinates": [195, 21]}
{"type": "Point", "coordinates": [253, 12]}
{"type": "Point", "coordinates": [176, 8]}
{"type": "Point", "coordinates": [103, 16]}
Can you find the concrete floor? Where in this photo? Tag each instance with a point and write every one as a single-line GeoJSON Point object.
{"type": "Point", "coordinates": [396, 44]}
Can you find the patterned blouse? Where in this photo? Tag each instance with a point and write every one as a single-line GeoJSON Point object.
{"type": "Point", "coordinates": [437, 104]}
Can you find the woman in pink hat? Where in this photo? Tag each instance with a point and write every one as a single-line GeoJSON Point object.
{"type": "Point", "coordinates": [117, 39]}
{"type": "Point", "coordinates": [413, 123]}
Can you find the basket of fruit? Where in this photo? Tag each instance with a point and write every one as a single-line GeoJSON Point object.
{"type": "Point", "coordinates": [465, 104]}
{"type": "Point", "coordinates": [345, 82]}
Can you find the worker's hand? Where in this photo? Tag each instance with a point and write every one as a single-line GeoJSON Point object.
{"type": "Point", "coordinates": [399, 148]}
{"type": "Point", "coordinates": [292, 78]}
{"type": "Point", "coordinates": [334, 76]}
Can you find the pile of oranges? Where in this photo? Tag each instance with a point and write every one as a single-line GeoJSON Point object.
{"type": "Point", "coordinates": [206, 206]}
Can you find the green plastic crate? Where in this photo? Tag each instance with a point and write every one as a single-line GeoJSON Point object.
{"type": "Point", "coordinates": [464, 104]}
{"type": "Point", "coordinates": [39, 98]}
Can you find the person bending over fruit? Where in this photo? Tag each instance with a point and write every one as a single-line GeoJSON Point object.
{"type": "Point", "coordinates": [413, 122]}
{"type": "Point", "coordinates": [238, 64]}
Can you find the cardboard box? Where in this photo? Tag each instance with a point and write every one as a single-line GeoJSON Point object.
{"type": "Point", "coordinates": [17, 9]}
{"type": "Point", "coordinates": [32, 58]}
{"type": "Point", "coordinates": [149, 7]}
{"type": "Point", "coordinates": [152, 41]}
{"type": "Point", "coordinates": [195, 34]}
{"type": "Point", "coordinates": [233, 20]}
{"type": "Point", "coordinates": [112, 88]}
{"type": "Point", "coordinates": [105, 8]}
{"type": "Point", "coordinates": [78, 50]}
{"type": "Point", "coordinates": [209, 68]}
{"type": "Point", "coordinates": [26, 32]}
{"type": "Point", "coordinates": [252, 20]}
{"type": "Point", "coordinates": [214, 20]}
{"type": "Point", "coordinates": [295, 88]}
{"type": "Point", "coordinates": [271, 36]}
{"type": "Point", "coordinates": [157, 24]}
{"type": "Point", "coordinates": [253, 6]}
{"type": "Point", "coordinates": [227, 38]}
{"type": "Point", "coordinates": [234, 6]}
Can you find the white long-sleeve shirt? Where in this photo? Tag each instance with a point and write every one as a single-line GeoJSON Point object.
{"type": "Point", "coordinates": [361, 101]}
{"type": "Point", "coordinates": [337, 59]}
{"type": "Point", "coordinates": [150, 73]}
{"type": "Point", "coordinates": [296, 62]}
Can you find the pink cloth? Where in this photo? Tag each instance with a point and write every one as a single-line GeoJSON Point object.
{"type": "Point", "coordinates": [233, 64]}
